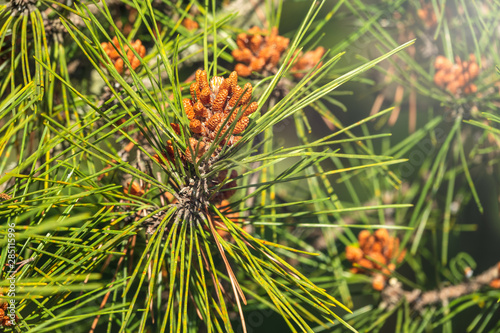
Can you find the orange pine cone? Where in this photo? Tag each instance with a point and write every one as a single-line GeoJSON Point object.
{"type": "Point", "coordinates": [353, 254]}
{"type": "Point", "coordinates": [250, 108]}
{"type": "Point", "coordinates": [456, 78]}
{"type": "Point", "coordinates": [382, 235]}
{"type": "Point", "coordinates": [112, 49]}
{"type": "Point", "coordinates": [195, 126]}
{"type": "Point", "coordinates": [378, 282]}
{"type": "Point", "coordinates": [378, 259]}
{"type": "Point", "coordinates": [363, 237]}
{"type": "Point", "coordinates": [258, 50]}
{"type": "Point", "coordinates": [210, 104]}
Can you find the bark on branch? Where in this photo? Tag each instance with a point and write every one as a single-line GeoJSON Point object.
{"type": "Point", "coordinates": [418, 299]}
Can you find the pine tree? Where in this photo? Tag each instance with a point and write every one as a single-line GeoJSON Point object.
{"type": "Point", "coordinates": [170, 166]}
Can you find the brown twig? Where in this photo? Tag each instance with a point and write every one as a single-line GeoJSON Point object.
{"type": "Point", "coordinates": [394, 293]}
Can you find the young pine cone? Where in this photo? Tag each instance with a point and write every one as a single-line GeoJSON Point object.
{"type": "Point", "coordinates": [217, 107]}
{"type": "Point", "coordinates": [258, 51]}
{"type": "Point", "coordinates": [456, 78]}
{"type": "Point", "coordinates": [112, 49]}
{"type": "Point", "coordinates": [375, 255]}
{"type": "Point", "coordinates": [5, 319]}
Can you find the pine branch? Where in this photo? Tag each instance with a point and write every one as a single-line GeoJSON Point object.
{"type": "Point", "coordinates": [394, 293]}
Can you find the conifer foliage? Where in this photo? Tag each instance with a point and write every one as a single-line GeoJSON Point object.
{"type": "Point", "coordinates": [164, 167]}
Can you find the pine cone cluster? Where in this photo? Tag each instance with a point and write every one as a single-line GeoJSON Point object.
{"type": "Point", "coordinates": [216, 110]}
{"type": "Point", "coordinates": [112, 52]}
{"type": "Point", "coordinates": [375, 253]}
{"type": "Point", "coordinates": [456, 78]}
{"type": "Point", "coordinates": [4, 196]}
{"type": "Point", "coordinates": [307, 61]}
{"type": "Point", "coordinates": [258, 51]}
{"type": "Point", "coordinates": [213, 109]}
{"type": "Point", "coordinates": [5, 320]}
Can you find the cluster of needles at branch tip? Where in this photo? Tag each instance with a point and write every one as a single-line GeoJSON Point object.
{"type": "Point", "coordinates": [21, 7]}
